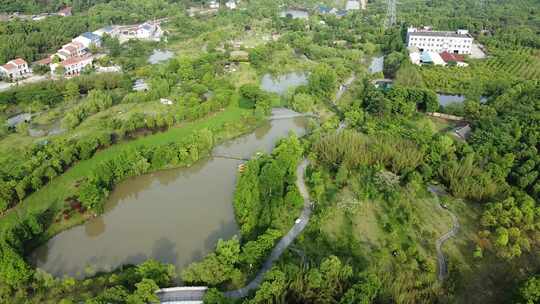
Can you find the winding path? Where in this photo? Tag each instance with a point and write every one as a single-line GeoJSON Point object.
{"type": "Point", "coordinates": [174, 294]}
{"type": "Point", "coordinates": [284, 243]}
{"type": "Point", "coordinates": [344, 87]}
{"type": "Point", "coordinates": [445, 237]}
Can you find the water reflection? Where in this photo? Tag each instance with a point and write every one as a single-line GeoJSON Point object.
{"type": "Point", "coordinates": [281, 84]}
{"type": "Point", "coordinates": [160, 56]}
{"type": "Point", "coordinates": [94, 227]}
{"type": "Point", "coordinates": [175, 216]}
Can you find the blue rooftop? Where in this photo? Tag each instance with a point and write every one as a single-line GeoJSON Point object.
{"type": "Point", "coordinates": [341, 12]}
{"type": "Point", "coordinates": [323, 9]}
{"type": "Point", "coordinates": [91, 36]}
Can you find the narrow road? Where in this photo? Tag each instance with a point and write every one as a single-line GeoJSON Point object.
{"type": "Point", "coordinates": [343, 88]}
{"type": "Point", "coordinates": [445, 237]}
{"type": "Point", "coordinates": [284, 243]}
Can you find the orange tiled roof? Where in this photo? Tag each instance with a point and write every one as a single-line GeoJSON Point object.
{"type": "Point", "coordinates": [19, 61]}
{"type": "Point", "coordinates": [9, 66]}
{"type": "Point", "coordinates": [44, 61]}
{"type": "Point", "coordinates": [74, 60]}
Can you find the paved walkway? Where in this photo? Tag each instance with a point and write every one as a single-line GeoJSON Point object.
{"type": "Point", "coordinates": [445, 237]}
{"type": "Point", "coordinates": [344, 87]}
{"type": "Point", "coordinates": [285, 241]}
{"type": "Point", "coordinates": [4, 86]}
{"type": "Point", "coordinates": [168, 295]}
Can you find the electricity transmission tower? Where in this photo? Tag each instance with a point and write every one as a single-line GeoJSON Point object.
{"type": "Point", "coordinates": [390, 13]}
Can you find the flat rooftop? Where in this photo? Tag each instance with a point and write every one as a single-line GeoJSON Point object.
{"type": "Point", "coordinates": [439, 34]}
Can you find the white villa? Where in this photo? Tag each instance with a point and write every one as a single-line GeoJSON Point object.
{"type": "Point", "coordinates": [352, 5]}
{"type": "Point", "coordinates": [147, 31]}
{"type": "Point", "coordinates": [15, 69]}
{"type": "Point", "coordinates": [87, 39]}
{"type": "Point", "coordinates": [425, 39]}
{"type": "Point", "coordinates": [72, 49]}
{"type": "Point", "coordinates": [213, 4]}
{"type": "Point", "coordinates": [231, 4]}
{"type": "Point", "coordinates": [73, 66]}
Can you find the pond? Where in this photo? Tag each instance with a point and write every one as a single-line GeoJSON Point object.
{"type": "Point", "coordinates": [281, 84]}
{"type": "Point", "coordinates": [294, 14]}
{"type": "Point", "coordinates": [159, 56]}
{"type": "Point", "coordinates": [54, 128]}
{"type": "Point", "coordinates": [376, 65]}
{"type": "Point", "coordinates": [175, 216]}
{"type": "Point", "coordinates": [446, 99]}
{"type": "Point", "coordinates": [17, 119]}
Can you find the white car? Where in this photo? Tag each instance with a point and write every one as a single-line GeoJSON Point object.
{"type": "Point", "coordinates": [298, 220]}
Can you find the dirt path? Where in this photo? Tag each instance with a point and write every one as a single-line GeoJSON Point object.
{"type": "Point", "coordinates": [284, 243]}
{"type": "Point", "coordinates": [344, 87]}
{"type": "Point", "coordinates": [445, 237]}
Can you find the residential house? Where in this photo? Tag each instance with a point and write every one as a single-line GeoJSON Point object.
{"type": "Point", "coordinates": [87, 39]}
{"type": "Point", "coordinates": [140, 86]}
{"type": "Point", "coordinates": [73, 66]}
{"type": "Point", "coordinates": [456, 59]}
{"type": "Point", "coordinates": [352, 5]}
{"type": "Point", "coordinates": [341, 13]}
{"type": "Point", "coordinates": [231, 4]}
{"type": "Point", "coordinates": [65, 12]}
{"type": "Point", "coordinates": [111, 31]}
{"type": "Point", "coordinates": [15, 69]}
{"type": "Point", "coordinates": [72, 49]}
{"type": "Point", "coordinates": [323, 9]}
{"type": "Point", "coordinates": [146, 30]}
{"type": "Point", "coordinates": [414, 55]}
{"type": "Point", "coordinates": [213, 4]}
{"type": "Point", "coordinates": [458, 42]}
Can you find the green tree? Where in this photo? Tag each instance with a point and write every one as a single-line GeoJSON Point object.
{"type": "Point", "coordinates": [530, 291]}
{"type": "Point", "coordinates": [71, 92]}
{"type": "Point", "coordinates": [322, 81]}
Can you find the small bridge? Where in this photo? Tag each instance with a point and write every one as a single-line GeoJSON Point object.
{"type": "Point", "coordinates": [194, 295]}
{"type": "Point", "coordinates": [175, 295]}
{"type": "Point", "coordinates": [229, 157]}
{"type": "Point", "coordinates": [289, 116]}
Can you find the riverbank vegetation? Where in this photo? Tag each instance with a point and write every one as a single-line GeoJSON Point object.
{"type": "Point", "coordinates": [266, 204]}
{"type": "Point", "coordinates": [374, 153]}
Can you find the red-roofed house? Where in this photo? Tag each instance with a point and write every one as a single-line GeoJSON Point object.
{"type": "Point", "coordinates": [44, 61]}
{"type": "Point", "coordinates": [72, 49]}
{"type": "Point", "coordinates": [65, 12]}
{"type": "Point", "coordinates": [73, 66]}
{"type": "Point", "coordinates": [449, 57]}
{"type": "Point", "coordinates": [15, 69]}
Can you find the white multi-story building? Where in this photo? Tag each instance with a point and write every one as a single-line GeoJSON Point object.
{"type": "Point", "coordinates": [231, 4]}
{"type": "Point", "coordinates": [458, 42]}
{"type": "Point", "coordinates": [213, 4]}
{"type": "Point", "coordinates": [352, 5]}
{"type": "Point", "coordinates": [15, 69]}
{"type": "Point", "coordinates": [73, 66]}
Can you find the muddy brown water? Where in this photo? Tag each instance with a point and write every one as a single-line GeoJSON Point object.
{"type": "Point", "coordinates": [175, 216]}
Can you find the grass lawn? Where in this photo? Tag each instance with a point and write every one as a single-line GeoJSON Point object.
{"type": "Point", "coordinates": [367, 227]}
{"type": "Point", "coordinates": [245, 74]}
{"type": "Point", "coordinates": [54, 193]}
